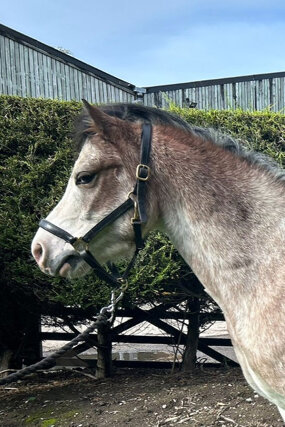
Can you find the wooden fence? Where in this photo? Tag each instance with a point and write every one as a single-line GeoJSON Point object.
{"type": "Point", "coordinates": [156, 316]}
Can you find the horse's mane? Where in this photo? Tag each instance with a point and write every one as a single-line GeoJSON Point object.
{"type": "Point", "coordinates": [140, 113]}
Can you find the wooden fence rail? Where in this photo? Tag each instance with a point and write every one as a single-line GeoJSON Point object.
{"type": "Point", "coordinates": [155, 316]}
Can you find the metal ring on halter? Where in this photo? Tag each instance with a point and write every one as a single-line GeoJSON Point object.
{"type": "Point", "coordinates": [80, 245]}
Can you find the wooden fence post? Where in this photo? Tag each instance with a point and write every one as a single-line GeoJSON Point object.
{"type": "Point", "coordinates": [32, 348]}
{"type": "Point", "coordinates": [104, 352]}
{"type": "Point", "coordinates": [190, 353]}
{"type": "Point", "coordinates": [20, 339]}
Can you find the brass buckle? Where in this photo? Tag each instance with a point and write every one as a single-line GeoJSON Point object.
{"type": "Point", "coordinates": [80, 245]}
{"type": "Point", "coordinates": [136, 217]}
{"type": "Point", "coordinates": [139, 167]}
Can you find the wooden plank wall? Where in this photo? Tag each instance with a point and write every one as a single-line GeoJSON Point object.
{"type": "Point", "coordinates": [31, 68]}
{"type": "Point", "coordinates": [254, 93]}
{"type": "Point", "coordinates": [28, 72]}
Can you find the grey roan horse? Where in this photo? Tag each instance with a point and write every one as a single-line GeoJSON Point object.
{"type": "Point", "coordinates": [222, 207]}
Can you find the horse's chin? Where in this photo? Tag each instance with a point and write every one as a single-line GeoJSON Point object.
{"type": "Point", "coordinates": [73, 267]}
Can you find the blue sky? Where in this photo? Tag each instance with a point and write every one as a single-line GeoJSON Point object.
{"type": "Point", "coordinates": [154, 42]}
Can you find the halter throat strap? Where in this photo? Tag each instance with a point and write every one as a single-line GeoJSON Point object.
{"type": "Point", "coordinates": [81, 244]}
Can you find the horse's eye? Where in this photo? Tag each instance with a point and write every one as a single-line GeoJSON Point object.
{"type": "Point", "coordinates": [84, 178]}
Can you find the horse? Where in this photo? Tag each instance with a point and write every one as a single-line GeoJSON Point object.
{"type": "Point", "coordinates": [221, 205]}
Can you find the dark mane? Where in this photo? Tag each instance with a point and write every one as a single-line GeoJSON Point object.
{"type": "Point", "coordinates": [140, 113]}
{"type": "Point", "coordinates": [132, 113]}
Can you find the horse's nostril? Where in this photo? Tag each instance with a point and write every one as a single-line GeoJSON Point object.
{"type": "Point", "coordinates": [38, 252]}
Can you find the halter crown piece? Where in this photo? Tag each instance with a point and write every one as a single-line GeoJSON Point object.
{"type": "Point", "coordinates": [81, 244]}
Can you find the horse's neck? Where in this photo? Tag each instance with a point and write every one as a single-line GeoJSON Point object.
{"type": "Point", "coordinates": [218, 219]}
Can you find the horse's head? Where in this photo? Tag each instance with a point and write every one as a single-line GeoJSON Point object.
{"type": "Point", "coordinates": [102, 177]}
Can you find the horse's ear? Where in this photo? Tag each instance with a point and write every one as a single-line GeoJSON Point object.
{"type": "Point", "coordinates": [101, 122]}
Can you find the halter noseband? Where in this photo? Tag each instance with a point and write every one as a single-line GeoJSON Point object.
{"type": "Point", "coordinates": [81, 244]}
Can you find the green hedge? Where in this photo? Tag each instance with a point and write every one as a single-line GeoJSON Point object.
{"type": "Point", "coordinates": [36, 156]}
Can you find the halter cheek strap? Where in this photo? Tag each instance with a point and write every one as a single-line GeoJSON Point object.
{"type": "Point", "coordinates": [81, 244]}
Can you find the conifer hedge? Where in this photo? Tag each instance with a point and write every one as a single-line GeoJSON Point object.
{"type": "Point", "coordinates": [36, 156]}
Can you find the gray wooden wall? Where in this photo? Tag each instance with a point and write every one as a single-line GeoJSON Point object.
{"type": "Point", "coordinates": [31, 68]}
{"type": "Point", "coordinates": [258, 92]}
{"type": "Point", "coordinates": [28, 71]}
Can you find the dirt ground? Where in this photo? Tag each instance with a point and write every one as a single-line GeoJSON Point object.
{"type": "Point", "coordinates": [209, 397]}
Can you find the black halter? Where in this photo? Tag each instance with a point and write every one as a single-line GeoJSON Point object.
{"type": "Point", "coordinates": [81, 244]}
